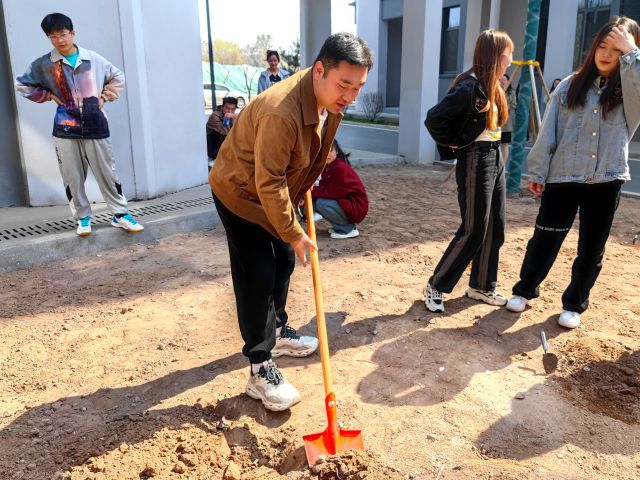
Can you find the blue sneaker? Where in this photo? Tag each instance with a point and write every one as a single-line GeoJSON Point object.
{"type": "Point", "coordinates": [84, 226]}
{"type": "Point", "coordinates": [127, 222]}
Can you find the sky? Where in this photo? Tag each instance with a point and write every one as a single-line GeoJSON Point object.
{"type": "Point", "coordinates": [240, 21]}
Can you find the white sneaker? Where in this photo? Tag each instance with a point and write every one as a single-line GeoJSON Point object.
{"type": "Point", "coordinates": [127, 222]}
{"type": "Point", "coordinates": [433, 299]}
{"type": "Point", "coordinates": [294, 345]}
{"type": "Point", "coordinates": [490, 297]}
{"type": "Point", "coordinates": [84, 226]}
{"type": "Point", "coordinates": [517, 304]}
{"type": "Point", "coordinates": [353, 233]}
{"type": "Point", "coordinates": [317, 217]}
{"type": "Point", "coordinates": [271, 387]}
{"type": "Point", "coordinates": [569, 319]}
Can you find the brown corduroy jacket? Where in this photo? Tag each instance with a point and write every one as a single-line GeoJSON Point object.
{"type": "Point", "coordinates": [273, 155]}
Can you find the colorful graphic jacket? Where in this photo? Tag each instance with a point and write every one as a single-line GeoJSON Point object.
{"type": "Point", "coordinates": [79, 89]}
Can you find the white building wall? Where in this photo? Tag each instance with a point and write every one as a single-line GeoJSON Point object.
{"type": "Point", "coordinates": [369, 29]}
{"type": "Point", "coordinates": [315, 27]}
{"type": "Point", "coordinates": [422, 23]}
{"type": "Point", "coordinates": [561, 34]}
{"type": "Point", "coordinates": [472, 30]}
{"type": "Point", "coordinates": [165, 112]}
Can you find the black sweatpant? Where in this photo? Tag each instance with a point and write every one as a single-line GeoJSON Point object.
{"type": "Point", "coordinates": [261, 266]}
{"type": "Point", "coordinates": [482, 198]}
{"type": "Point", "coordinates": [560, 202]}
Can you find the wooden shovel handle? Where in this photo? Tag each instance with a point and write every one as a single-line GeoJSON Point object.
{"type": "Point", "coordinates": [317, 292]}
{"type": "Point", "coordinates": [56, 99]}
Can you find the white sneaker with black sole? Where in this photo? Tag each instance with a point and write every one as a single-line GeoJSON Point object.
{"type": "Point", "coordinates": [433, 299]}
{"type": "Point", "coordinates": [294, 345]}
{"type": "Point", "coordinates": [517, 304]}
{"type": "Point", "coordinates": [271, 387]}
{"type": "Point", "coordinates": [490, 297]}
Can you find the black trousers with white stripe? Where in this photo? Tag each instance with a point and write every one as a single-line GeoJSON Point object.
{"type": "Point", "coordinates": [482, 197]}
{"type": "Point", "coordinates": [558, 208]}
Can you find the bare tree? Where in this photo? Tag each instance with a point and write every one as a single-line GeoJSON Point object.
{"type": "Point", "coordinates": [371, 104]}
{"type": "Point", "coordinates": [257, 52]}
{"type": "Point", "coordinates": [249, 77]}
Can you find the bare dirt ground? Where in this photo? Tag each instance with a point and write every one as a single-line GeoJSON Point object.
{"type": "Point", "coordinates": [126, 365]}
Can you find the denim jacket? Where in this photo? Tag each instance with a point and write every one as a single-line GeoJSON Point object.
{"type": "Point", "coordinates": [79, 88]}
{"type": "Point", "coordinates": [581, 145]}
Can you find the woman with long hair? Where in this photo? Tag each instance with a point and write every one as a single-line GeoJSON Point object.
{"type": "Point", "coordinates": [273, 74]}
{"type": "Point", "coordinates": [468, 119]}
{"type": "Point", "coordinates": [579, 163]}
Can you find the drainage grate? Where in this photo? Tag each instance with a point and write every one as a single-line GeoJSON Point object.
{"type": "Point", "coordinates": [55, 226]}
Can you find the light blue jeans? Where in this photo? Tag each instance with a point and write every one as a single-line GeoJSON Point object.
{"type": "Point", "coordinates": [332, 212]}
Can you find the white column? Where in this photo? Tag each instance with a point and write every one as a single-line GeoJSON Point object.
{"type": "Point", "coordinates": [422, 23]}
{"type": "Point", "coordinates": [133, 53]}
{"type": "Point", "coordinates": [472, 30]}
{"type": "Point", "coordinates": [315, 27]}
{"type": "Point", "coordinates": [494, 15]}
{"type": "Point", "coordinates": [369, 29]}
{"type": "Point", "coordinates": [561, 34]}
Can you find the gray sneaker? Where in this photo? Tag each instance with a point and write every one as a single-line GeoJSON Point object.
{"type": "Point", "coordinates": [271, 387]}
{"type": "Point", "coordinates": [294, 345]}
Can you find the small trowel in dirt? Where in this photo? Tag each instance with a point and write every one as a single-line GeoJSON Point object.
{"type": "Point", "coordinates": [333, 439]}
{"type": "Point", "coordinates": [549, 360]}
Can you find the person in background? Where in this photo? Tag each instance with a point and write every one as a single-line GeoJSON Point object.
{"type": "Point", "coordinates": [219, 125]}
{"type": "Point", "coordinates": [273, 74]}
{"type": "Point", "coordinates": [545, 100]}
{"type": "Point", "coordinates": [80, 81]}
{"type": "Point", "coordinates": [476, 95]}
{"type": "Point", "coordinates": [507, 128]}
{"type": "Point", "coordinates": [340, 197]}
{"type": "Point", "coordinates": [579, 163]}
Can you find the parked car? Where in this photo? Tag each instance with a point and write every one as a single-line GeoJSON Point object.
{"type": "Point", "coordinates": [222, 91]}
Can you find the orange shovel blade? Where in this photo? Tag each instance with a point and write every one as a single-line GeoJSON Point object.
{"type": "Point", "coordinates": [322, 444]}
{"type": "Point", "coordinates": [333, 440]}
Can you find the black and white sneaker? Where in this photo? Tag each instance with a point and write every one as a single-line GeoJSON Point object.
{"type": "Point", "coordinates": [294, 345]}
{"type": "Point", "coordinates": [271, 387]}
{"type": "Point", "coordinates": [433, 299]}
{"type": "Point", "coordinates": [490, 297]}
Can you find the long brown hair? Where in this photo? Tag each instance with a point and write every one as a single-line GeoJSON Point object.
{"type": "Point", "coordinates": [611, 96]}
{"type": "Point", "coordinates": [486, 63]}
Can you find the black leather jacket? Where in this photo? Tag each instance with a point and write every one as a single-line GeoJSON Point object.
{"type": "Point", "coordinates": [457, 120]}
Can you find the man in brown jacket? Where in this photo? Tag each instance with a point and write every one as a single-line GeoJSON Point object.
{"type": "Point", "coordinates": [272, 156]}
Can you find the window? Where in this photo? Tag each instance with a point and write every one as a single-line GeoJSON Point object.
{"type": "Point", "coordinates": [592, 15]}
{"type": "Point", "coordinates": [449, 40]}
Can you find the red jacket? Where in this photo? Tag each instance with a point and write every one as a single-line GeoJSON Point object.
{"type": "Point", "coordinates": [340, 182]}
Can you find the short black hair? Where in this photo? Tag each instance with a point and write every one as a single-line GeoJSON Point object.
{"type": "Point", "coordinates": [231, 100]}
{"type": "Point", "coordinates": [345, 47]}
{"type": "Point", "coordinates": [273, 52]}
{"type": "Point", "coordinates": [54, 22]}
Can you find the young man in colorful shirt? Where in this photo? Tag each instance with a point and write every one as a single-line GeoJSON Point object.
{"type": "Point", "coordinates": [80, 82]}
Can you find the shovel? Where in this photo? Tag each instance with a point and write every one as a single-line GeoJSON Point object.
{"type": "Point", "coordinates": [549, 360]}
{"type": "Point", "coordinates": [333, 440]}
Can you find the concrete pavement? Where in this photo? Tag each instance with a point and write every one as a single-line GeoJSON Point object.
{"type": "Point", "coordinates": [32, 236]}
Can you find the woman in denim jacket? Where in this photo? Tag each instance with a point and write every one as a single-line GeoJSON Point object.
{"type": "Point", "coordinates": [581, 160]}
{"type": "Point", "coordinates": [273, 74]}
{"type": "Point", "coordinates": [468, 119]}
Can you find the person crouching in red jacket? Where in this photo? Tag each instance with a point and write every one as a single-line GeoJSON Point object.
{"type": "Point", "coordinates": [340, 196]}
